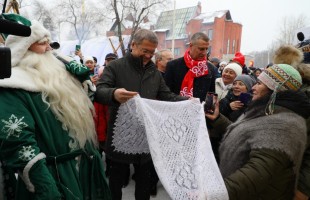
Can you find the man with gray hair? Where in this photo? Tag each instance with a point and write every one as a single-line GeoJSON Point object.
{"type": "Point", "coordinates": [162, 57]}
{"type": "Point", "coordinates": [122, 79]}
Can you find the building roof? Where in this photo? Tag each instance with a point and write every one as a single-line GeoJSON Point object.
{"type": "Point", "coordinates": [127, 24]}
{"type": "Point", "coordinates": [209, 17]}
{"type": "Point", "coordinates": [182, 16]}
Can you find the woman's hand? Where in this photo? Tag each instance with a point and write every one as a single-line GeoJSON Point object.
{"type": "Point", "coordinates": [216, 113]}
{"type": "Point", "coordinates": [236, 105]}
{"type": "Point", "coordinates": [94, 79]}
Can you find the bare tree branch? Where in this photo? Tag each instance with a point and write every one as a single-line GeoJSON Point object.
{"type": "Point", "coordinates": [139, 9]}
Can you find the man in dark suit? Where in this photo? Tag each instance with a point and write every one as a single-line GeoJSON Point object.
{"type": "Point", "coordinates": [192, 75]}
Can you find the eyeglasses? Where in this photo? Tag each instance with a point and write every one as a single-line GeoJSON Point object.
{"type": "Point", "coordinates": [145, 51]}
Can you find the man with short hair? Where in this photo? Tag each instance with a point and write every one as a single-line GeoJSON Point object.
{"type": "Point", "coordinates": [47, 132]}
{"type": "Point", "coordinates": [192, 75]}
{"type": "Point", "coordinates": [162, 57]}
{"type": "Point", "coordinates": [122, 79]}
{"type": "Point", "coordinates": [109, 57]}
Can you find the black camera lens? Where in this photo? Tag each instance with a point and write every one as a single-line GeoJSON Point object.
{"type": "Point", "coordinates": [55, 45]}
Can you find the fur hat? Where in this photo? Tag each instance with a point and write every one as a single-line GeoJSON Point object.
{"type": "Point", "coordinates": [288, 54]}
{"type": "Point", "coordinates": [304, 70]}
{"type": "Point", "coordinates": [235, 67]}
{"type": "Point", "coordinates": [239, 58]}
{"type": "Point", "coordinates": [281, 77]}
{"type": "Point", "coordinates": [247, 80]}
{"type": "Point", "coordinates": [20, 45]}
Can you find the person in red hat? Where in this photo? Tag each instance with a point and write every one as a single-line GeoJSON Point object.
{"type": "Point", "coordinates": [240, 59]}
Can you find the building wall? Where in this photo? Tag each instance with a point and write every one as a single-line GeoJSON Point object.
{"type": "Point", "coordinates": [162, 43]}
{"type": "Point", "coordinates": [233, 35]}
{"type": "Point", "coordinates": [226, 37]}
{"type": "Point", "coordinates": [223, 31]}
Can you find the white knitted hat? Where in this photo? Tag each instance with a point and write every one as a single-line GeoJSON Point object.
{"type": "Point", "coordinates": [19, 45]}
{"type": "Point", "coordinates": [87, 58]}
{"type": "Point", "coordinates": [235, 67]}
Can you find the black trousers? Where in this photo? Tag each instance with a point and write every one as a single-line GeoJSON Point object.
{"type": "Point", "coordinates": [118, 174]}
{"type": "Point", "coordinates": [154, 176]}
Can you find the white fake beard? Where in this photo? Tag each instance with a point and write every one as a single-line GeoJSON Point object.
{"type": "Point", "coordinates": [63, 94]}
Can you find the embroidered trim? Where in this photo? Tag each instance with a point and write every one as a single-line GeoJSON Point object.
{"type": "Point", "coordinates": [27, 168]}
{"type": "Point", "coordinates": [14, 126]}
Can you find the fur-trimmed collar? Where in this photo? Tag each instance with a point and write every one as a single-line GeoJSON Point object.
{"type": "Point", "coordinates": [19, 79]}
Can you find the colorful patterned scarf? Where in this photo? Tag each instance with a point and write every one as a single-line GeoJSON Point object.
{"type": "Point", "coordinates": [196, 69]}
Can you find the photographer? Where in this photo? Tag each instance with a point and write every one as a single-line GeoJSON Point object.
{"type": "Point", "coordinates": [47, 133]}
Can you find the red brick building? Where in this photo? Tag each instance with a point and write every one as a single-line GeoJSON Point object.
{"type": "Point", "coordinates": [224, 34]}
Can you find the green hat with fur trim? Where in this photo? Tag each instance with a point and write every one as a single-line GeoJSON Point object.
{"type": "Point", "coordinates": [20, 45]}
{"type": "Point", "coordinates": [14, 18]}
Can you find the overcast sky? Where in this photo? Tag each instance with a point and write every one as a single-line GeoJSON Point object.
{"type": "Point", "coordinates": [260, 18]}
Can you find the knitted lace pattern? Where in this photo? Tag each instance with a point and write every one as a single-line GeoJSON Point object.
{"type": "Point", "coordinates": [176, 135]}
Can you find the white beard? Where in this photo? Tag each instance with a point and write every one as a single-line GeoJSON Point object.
{"type": "Point", "coordinates": [63, 94]}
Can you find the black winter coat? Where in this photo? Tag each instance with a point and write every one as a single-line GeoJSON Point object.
{"type": "Point", "coordinates": [129, 73]}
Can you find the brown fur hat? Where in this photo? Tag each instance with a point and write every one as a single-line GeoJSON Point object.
{"type": "Point", "coordinates": [304, 70]}
{"type": "Point", "coordinates": [288, 54]}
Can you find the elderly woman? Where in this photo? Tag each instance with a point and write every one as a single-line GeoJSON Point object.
{"type": "Point", "coordinates": [261, 152]}
{"type": "Point", "coordinates": [224, 84]}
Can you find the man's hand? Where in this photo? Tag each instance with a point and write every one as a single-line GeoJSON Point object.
{"type": "Point", "coordinates": [122, 95]}
{"type": "Point", "coordinates": [300, 196]}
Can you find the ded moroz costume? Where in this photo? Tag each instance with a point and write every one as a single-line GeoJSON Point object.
{"type": "Point", "coordinates": [47, 133]}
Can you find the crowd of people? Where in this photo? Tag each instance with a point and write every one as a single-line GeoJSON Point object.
{"type": "Point", "coordinates": [58, 118]}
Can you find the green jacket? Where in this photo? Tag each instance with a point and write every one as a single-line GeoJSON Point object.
{"type": "Point", "coordinates": [34, 144]}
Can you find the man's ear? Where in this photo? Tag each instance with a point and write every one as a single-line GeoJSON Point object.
{"type": "Point", "coordinates": [133, 43]}
{"type": "Point", "coordinates": [190, 44]}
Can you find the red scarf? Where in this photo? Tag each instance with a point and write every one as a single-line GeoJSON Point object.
{"type": "Point", "coordinates": [196, 69]}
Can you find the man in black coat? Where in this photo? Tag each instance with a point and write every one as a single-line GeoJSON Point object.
{"type": "Point", "coordinates": [123, 79]}
{"type": "Point", "coordinates": [192, 75]}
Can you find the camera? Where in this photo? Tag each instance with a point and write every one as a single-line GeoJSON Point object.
{"type": "Point", "coordinates": [12, 28]}
{"type": "Point", "coordinates": [55, 45]}
{"type": "Point", "coordinates": [210, 101]}
{"type": "Point", "coordinates": [5, 62]}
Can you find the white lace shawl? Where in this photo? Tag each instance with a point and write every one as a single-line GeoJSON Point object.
{"type": "Point", "coordinates": [176, 135]}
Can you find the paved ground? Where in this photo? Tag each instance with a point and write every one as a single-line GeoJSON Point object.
{"type": "Point", "coordinates": [128, 192]}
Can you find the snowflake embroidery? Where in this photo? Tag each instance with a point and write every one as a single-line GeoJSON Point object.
{"type": "Point", "coordinates": [77, 67]}
{"type": "Point", "coordinates": [26, 153]}
{"type": "Point", "coordinates": [13, 127]}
